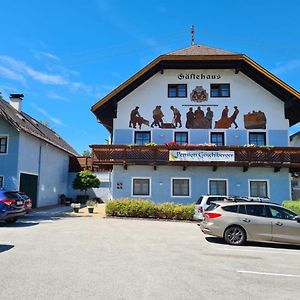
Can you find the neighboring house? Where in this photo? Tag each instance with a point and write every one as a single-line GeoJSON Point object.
{"type": "Point", "coordinates": [223, 112]}
{"type": "Point", "coordinates": [295, 142]}
{"type": "Point", "coordinates": [33, 158]}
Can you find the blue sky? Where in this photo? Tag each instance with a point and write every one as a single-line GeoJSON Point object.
{"type": "Point", "coordinates": [66, 55]}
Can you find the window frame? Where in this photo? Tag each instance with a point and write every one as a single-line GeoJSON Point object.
{"type": "Point", "coordinates": [1, 181]}
{"type": "Point", "coordinates": [139, 132]}
{"type": "Point", "coordinates": [219, 90]}
{"type": "Point", "coordinates": [170, 85]}
{"type": "Point", "coordinates": [218, 179]}
{"type": "Point", "coordinates": [180, 132]}
{"type": "Point", "coordinates": [259, 180]}
{"type": "Point", "coordinates": [218, 132]}
{"type": "Point", "coordinates": [132, 187]}
{"type": "Point", "coordinates": [4, 136]}
{"type": "Point", "coordinates": [189, 187]}
{"type": "Point", "coordinates": [260, 133]}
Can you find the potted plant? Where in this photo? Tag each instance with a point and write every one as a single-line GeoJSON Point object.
{"type": "Point", "coordinates": [90, 205]}
{"type": "Point", "coordinates": [76, 207]}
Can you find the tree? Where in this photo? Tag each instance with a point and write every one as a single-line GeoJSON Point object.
{"type": "Point", "coordinates": [86, 153]}
{"type": "Point", "coordinates": [85, 180]}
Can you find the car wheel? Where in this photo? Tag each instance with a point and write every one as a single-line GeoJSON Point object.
{"type": "Point", "coordinates": [235, 235]}
{"type": "Point", "coordinates": [11, 221]}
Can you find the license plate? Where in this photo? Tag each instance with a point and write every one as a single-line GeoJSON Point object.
{"type": "Point", "coordinates": [20, 202]}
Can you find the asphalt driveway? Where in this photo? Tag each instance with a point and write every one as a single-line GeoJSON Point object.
{"type": "Point", "coordinates": [47, 256]}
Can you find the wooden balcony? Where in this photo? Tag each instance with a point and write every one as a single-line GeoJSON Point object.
{"type": "Point", "coordinates": [245, 157]}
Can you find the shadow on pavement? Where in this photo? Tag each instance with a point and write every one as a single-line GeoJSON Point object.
{"type": "Point", "coordinates": [4, 248]}
{"type": "Point", "coordinates": [220, 241]}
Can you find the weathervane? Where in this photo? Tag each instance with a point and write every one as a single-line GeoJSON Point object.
{"type": "Point", "coordinates": [193, 35]}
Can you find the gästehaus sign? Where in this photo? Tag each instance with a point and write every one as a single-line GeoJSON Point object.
{"type": "Point", "coordinates": [182, 76]}
{"type": "Point", "coordinates": [193, 155]}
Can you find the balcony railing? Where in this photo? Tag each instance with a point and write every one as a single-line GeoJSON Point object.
{"type": "Point", "coordinates": [276, 157]}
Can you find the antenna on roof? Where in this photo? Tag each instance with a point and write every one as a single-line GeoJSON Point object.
{"type": "Point", "coordinates": [193, 35]}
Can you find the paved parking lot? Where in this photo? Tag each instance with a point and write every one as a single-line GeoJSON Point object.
{"type": "Point", "coordinates": [45, 256]}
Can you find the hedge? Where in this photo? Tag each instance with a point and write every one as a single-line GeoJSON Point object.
{"type": "Point", "coordinates": [293, 205]}
{"type": "Point", "coordinates": [141, 208]}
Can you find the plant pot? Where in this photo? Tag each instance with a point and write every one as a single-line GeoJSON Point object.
{"type": "Point", "coordinates": [91, 210]}
{"type": "Point", "coordinates": [76, 209]}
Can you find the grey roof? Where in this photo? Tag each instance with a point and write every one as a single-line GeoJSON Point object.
{"type": "Point", "coordinates": [201, 50]}
{"type": "Point", "coordinates": [23, 122]}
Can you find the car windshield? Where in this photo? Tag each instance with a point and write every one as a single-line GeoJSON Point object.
{"type": "Point", "coordinates": [12, 195]}
{"type": "Point", "coordinates": [199, 200]}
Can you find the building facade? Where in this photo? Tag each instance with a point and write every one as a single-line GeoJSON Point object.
{"type": "Point", "coordinates": [33, 158]}
{"type": "Point", "coordinates": [199, 121]}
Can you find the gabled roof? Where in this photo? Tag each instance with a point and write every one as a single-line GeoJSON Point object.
{"type": "Point", "coordinates": [23, 122]}
{"type": "Point", "coordinates": [200, 57]}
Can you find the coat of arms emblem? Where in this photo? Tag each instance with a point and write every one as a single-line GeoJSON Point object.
{"type": "Point", "coordinates": [199, 94]}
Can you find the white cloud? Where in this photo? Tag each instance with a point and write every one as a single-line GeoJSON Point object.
{"type": "Point", "coordinates": [9, 74]}
{"type": "Point", "coordinates": [47, 115]}
{"type": "Point", "coordinates": [82, 87]}
{"type": "Point", "coordinates": [53, 95]}
{"type": "Point", "coordinates": [23, 68]}
{"type": "Point", "coordinates": [287, 67]}
{"type": "Point", "coordinates": [48, 55]}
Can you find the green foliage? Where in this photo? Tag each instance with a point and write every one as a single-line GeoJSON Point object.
{"type": "Point", "coordinates": [293, 205]}
{"type": "Point", "coordinates": [91, 203]}
{"type": "Point", "coordinates": [86, 153]}
{"type": "Point", "coordinates": [85, 180]}
{"type": "Point", "coordinates": [141, 208]}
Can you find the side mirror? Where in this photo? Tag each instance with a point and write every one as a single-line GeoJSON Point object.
{"type": "Point", "coordinates": [297, 218]}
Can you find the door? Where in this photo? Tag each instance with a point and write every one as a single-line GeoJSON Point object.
{"type": "Point", "coordinates": [254, 219]}
{"type": "Point", "coordinates": [284, 228]}
{"type": "Point", "coordinates": [28, 185]}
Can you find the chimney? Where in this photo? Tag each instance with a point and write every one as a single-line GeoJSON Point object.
{"type": "Point", "coordinates": [15, 100]}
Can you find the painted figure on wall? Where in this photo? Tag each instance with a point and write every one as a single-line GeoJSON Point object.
{"type": "Point", "coordinates": [209, 116]}
{"type": "Point", "coordinates": [190, 118]}
{"type": "Point", "coordinates": [255, 120]}
{"type": "Point", "coordinates": [225, 121]}
{"type": "Point", "coordinates": [157, 117]}
{"type": "Point", "coordinates": [136, 119]}
{"type": "Point", "coordinates": [176, 117]}
{"type": "Point", "coordinates": [200, 121]}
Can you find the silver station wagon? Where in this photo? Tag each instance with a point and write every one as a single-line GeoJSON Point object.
{"type": "Point", "coordinates": [238, 222]}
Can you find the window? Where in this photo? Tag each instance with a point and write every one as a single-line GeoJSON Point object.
{"type": "Point", "coordinates": [181, 138]}
{"type": "Point", "coordinates": [217, 187]}
{"type": "Point", "coordinates": [177, 90]}
{"type": "Point", "coordinates": [141, 186]}
{"type": "Point", "coordinates": [220, 90]}
{"type": "Point", "coordinates": [1, 181]}
{"type": "Point", "coordinates": [3, 144]}
{"type": "Point", "coordinates": [181, 187]}
{"type": "Point", "coordinates": [257, 138]}
{"type": "Point", "coordinates": [217, 138]}
{"type": "Point", "coordinates": [280, 213]}
{"type": "Point", "coordinates": [231, 208]}
{"type": "Point", "coordinates": [259, 189]}
{"type": "Point", "coordinates": [142, 137]}
{"type": "Point", "coordinates": [256, 210]}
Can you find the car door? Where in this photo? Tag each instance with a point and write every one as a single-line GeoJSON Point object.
{"type": "Point", "coordinates": [284, 228]}
{"type": "Point", "coordinates": [254, 219]}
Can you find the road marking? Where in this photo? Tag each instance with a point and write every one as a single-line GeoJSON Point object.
{"type": "Point", "coordinates": [292, 251]}
{"type": "Point", "coordinates": [269, 274]}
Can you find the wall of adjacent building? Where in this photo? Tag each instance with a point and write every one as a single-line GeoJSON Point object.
{"type": "Point", "coordinates": [247, 95]}
{"type": "Point", "coordinates": [9, 161]}
{"type": "Point", "coordinates": [238, 181]}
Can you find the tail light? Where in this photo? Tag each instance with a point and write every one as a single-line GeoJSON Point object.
{"type": "Point", "coordinates": [200, 209]}
{"type": "Point", "coordinates": [8, 201]}
{"type": "Point", "coordinates": [211, 215]}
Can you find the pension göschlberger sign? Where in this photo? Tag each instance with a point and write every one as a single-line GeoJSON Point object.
{"type": "Point", "coordinates": [195, 155]}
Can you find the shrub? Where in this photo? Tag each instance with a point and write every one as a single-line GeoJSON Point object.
{"type": "Point", "coordinates": [293, 205]}
{"type": "Point", "coordinates": [141, 208]}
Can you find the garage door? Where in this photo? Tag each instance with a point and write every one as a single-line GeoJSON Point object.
{"type": "Point", "coordinates": [28, 185]}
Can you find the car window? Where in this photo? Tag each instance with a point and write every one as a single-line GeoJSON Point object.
{"type": "Point", "coordinates": [255, 210]}
{"type": "Point", "coordinates": [12, 195]}
{"type": "Point", "coordinates": [199, 200]}
{"type": "Point", "coordinates": [242, 209]}
{"type": "Point", "coordinates": [211, 199]}
{"type": "Point", "coordinates": [281, 213]}
{"type": "Point", "coordinates": [231, 208]}
{"type": "Point", "coordinates": [212, 206]}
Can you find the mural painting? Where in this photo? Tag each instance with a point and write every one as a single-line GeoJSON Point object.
{"type": "Point", "coordinates": [199, 94]}
{"type": "Point", "coordinates": [198, 120]}
{"type": "Point", "coordinates": [176, 117]}
{"type": "Point", "coordinates": [136, 119]}
{"type": "Point", "coordinates": [225, 121]}
{"type": "Point", "coordinates": [255, 120]}
{"type": "Point", "coordinates": [157, 117]}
